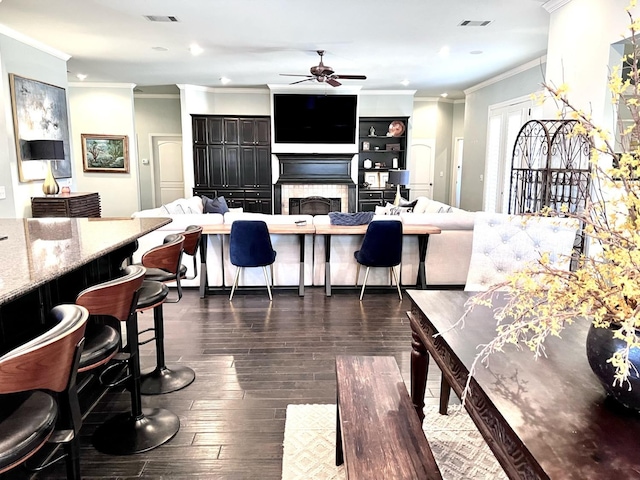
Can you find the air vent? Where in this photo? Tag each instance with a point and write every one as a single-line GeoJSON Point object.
{"type": "Point", "coordinates": [474, 23]}
{"type": "Point", "coordinates": [161, 18]}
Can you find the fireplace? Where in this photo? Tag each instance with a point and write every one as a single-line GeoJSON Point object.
{"type": "Point", "coordinates": [313, 205]}
{"type": "Point", "coordinates": [313, 175]}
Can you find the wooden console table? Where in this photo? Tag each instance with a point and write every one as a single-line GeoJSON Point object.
{"type": "Point", "coordinates": [542, 419]}
{"type": "Point", "coordinates": [66, 205]}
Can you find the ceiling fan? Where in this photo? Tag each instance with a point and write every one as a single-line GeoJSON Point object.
{"type": "Point", "coordinates": [324, 74]}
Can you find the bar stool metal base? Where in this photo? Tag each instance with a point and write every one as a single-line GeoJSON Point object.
{"type": "Point", "coordinates": [125, 434]}
{"type": "Point", "coordinates": [166, 380]}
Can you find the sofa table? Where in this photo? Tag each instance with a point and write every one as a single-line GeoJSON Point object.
{"type": "Point", "coordinates": [422, 231]}
{"type": "Point", "coordinates": [225, 229]}
{"type": "Point", "coordinates": [545, 418]}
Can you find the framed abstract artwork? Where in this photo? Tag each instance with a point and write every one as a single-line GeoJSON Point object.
{"type": "Point", "coordinates": [105, 153]}
{"type": "Point", "coordinates": [39, 113]}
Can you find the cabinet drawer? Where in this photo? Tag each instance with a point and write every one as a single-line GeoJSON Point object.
{"type": "Point", "coordinates": [231, 193]}
{"type": "Point", "coordinates": [364, 195]}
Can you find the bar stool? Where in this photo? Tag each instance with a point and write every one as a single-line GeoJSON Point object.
{"type": "Point", "coordinates": [39, 401]}
{"type": "Point", "coordinates": [142, 429]}
{"type": "Point", "coordinates": [164, 268]}
{"type": "Point", "coordinates": [153, 294]}
{"type": "Point", "coordinates": [192, 235]}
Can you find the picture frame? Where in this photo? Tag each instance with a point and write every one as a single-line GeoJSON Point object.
{"type": "Point", "coordinates": [39, 113]}
{"type": "Point", "coordinates": [383, 179]}
{"type": "Point", "coordinates": [105, 153]}
{"type": "Point", "coordinates": [372, 179]}
{"type": "Point", "coordinates": [392, 147]}
{"type": "Point", "coordinates": [365, 146]}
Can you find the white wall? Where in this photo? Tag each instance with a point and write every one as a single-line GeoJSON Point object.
{"type": "Point", "coordinates": [155, 114]}
{"type": "Point", "coordinates": [580, 37]}
{"type": "Point", "coordinates": [36, 62]}
{"type": "Point", "coordinates": [105, 109]}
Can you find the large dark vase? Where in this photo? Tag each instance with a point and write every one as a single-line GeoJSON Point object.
{"type": "Point", "coordinates": [601, 345]}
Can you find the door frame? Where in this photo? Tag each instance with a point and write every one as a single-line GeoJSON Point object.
{"type": "Point", "coordinates": [458, 144]}
{"type": "Point", "coordinates": [429, 142]}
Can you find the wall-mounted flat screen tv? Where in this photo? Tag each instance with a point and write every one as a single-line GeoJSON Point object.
{"type": "Point", "coordinates": [314, 118]}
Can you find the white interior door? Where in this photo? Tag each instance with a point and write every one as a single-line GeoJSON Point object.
{"type": "Point", "coordinates": [420, 166]}
{"type": "Point", "coordinates": [167, 167]}
{"type": "Point", "coordinates": [505, 121]}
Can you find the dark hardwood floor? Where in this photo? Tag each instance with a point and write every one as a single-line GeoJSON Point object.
{"type": "Point", "coordinates": [252, 358]}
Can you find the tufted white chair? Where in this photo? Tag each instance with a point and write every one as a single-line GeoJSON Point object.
{"type": "Point", "coordinates": [503, 244]}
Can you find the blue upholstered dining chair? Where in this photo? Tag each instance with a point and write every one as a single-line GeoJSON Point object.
{"type": "Point", "coordinates": [250, 246]}
{"type": "Point", "coordinates": [381, 247]}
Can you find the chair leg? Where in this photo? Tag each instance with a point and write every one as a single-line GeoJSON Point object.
{"type": "Point", "coordinates": [395, 278]}
{"type": "Point", "coordinates": [272, 280]}
{"type": "Point", "coordinates": [163, 379]}
{"type": "Point", "coordinates": [364, 284]}
{"type": "Point", "coordinates": [141, 429]}
{"type": "Point", "coordinates": [235, 282]}
{"type": "Point", "coordinates": [357, 273]}
{"type": "Point", "coordinates": [266, 281]}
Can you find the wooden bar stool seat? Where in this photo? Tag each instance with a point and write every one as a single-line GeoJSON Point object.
{"type": "Point", "coordinates": [153, 294]}
{"type": "Point", "coordinates": [141, 429]}
{"type": "Point", "coordinates": [38, 396]}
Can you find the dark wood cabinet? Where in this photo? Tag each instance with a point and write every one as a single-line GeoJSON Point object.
{"type": "Point", "coordinates": [379, 153]}
{"type": "Point", "coordinates": [234, 160]}
{"type": "Point", "coordinates": [370, 198]}
{"type": "Point", "coordinates": [66, 205]}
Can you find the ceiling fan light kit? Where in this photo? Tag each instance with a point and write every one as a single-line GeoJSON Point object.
{"type": "Point", "coordinates": [324, 74]}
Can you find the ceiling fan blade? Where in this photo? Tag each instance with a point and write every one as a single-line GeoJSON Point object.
{"type": "Point", "coordinates": [294, 75]}
{"type": "Point", "coordinates": [333, 82]}
{"type": "Point", "coordinates": [300, 81]}
{"type": "Point", "coordinates": [351, 77]}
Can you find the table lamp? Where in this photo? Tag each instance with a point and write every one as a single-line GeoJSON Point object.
{"type": "Point", "coordinates": [47, 150]}
{"type": "Point", "coordinates": [398, 178]}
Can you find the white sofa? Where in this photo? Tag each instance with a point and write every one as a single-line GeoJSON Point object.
{"type": "Point", "coordinates": [446, 262]}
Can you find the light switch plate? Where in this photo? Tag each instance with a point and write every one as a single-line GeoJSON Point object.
{"type": "Point", "coordinates": [3, 193]}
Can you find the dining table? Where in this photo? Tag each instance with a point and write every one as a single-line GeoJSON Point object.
{"type": "Point", "coordinates": [544, 418]}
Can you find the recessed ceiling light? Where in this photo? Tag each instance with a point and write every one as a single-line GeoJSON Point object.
{"type": "Point", "coordinates": [404, 82]}
{"type": "Point", "coordinates": [444, 51]}
{"type": "Point", "coordinates": [160, 49]}
{"type": "Point", "coordinates": [80, 76]}
{"type": "Point", "coordinates": [444, 95]}
{"type": "Point", "coordinates": [224, 80]}
{"type": "Point", "coordinates": [476, 52]}
{"type": "Point", "coordinates": [195, 49]}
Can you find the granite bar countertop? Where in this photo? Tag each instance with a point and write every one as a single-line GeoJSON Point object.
{"type": "Point", "coordinates": [38, 250]}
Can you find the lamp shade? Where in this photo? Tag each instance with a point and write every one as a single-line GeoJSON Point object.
{"type": "Point", "coordinates": [399, 177]}
{"type": "Point", "coordinates": [46, 150]}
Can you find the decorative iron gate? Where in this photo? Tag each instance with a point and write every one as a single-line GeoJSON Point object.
{"type": "Point", "coordinates": [550, 167]}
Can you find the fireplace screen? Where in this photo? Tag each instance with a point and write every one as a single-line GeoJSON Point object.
{"type": "Point", "coordinates": [313, 205]}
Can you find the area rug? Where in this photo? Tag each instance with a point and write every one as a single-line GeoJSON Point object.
{"type": "Point", "coordinates": [458, 447]}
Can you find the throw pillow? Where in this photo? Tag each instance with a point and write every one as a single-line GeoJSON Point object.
{"type": "Point", "coordinates": [215, 205]}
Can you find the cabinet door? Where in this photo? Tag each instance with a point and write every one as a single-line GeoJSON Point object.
{"type": "Point", "coordinates": [199, 127]}
{"type": "Point", "coordinates": [262, 131]}
{"type": "Point", "coordinates": [263, 166]}
{"type": "Point", "coordinates": [231, 131]}
{"type": "Point", "coordinates": [200, 166]}
{"type": "Point", "coordinates": [232, 166]}
{"type": "Point", "coordinates": [369, 205]}
{"type": "Point", "coordinates": [216, 166]}
{"type": "Point", "coordinates": [214, 130]}
{"type": "Point", "coordinates": [247, 131]}
{"type": "Point", "coordinates": [248, 162]}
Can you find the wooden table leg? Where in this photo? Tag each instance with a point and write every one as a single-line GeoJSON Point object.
{"type": "Point", "coordinates": [445, 393]}
{"type": "Point", "coordinates": [301, 238]}
{"type": "Point", "coordinates": [419, 369]}
{"type": "Point", "coordinates": [327, 265]}
{"type": "Point", "coordinates": [204, 242]}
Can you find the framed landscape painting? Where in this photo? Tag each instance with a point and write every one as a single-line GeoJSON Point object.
{"type": "Point", "coordinates": [105, 153]}
{"type": "Point", "coordinates": [39, 113]}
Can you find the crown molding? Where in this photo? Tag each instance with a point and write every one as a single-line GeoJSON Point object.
{"type": "Point", "coordinates": [522, 68]}
{"type": "Point", "coordinates": [157, 95]}
{"type": "Point", "coordinates": [388, 92]}
{"type": "Point", "coordinates": [4, 30]}
{"type": "Point", "coordinates": [129, 86]}
{"type": "Point", "coordinates": [436, 99]}
{"type": "Point", "coordinates": [200, 88]}
{"type": "Point", "coordinates": [553, 5]}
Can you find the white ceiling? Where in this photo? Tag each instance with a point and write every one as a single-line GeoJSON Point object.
{"type": "Point", "coordinates": [252, 41]}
